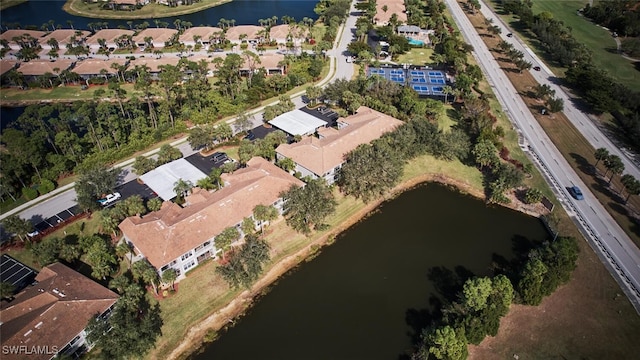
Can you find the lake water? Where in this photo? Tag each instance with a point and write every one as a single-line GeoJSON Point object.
{"type": "Point", "coordinates": [358, 297]}
{"type": "Point", "coordinates": [245, 12]}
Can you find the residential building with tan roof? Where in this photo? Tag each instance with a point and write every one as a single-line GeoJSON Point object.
{"type": "Point", "coordinates": [323, 156]}
{"type": "Point", "coordinates": [271, 62]}
{"type": "Point", "coordinates": [393, 7]}
{"type": "Point", "coordinates": [211, 68]}
{"type": "Point", "coordinates": [154, 64]}
{"type": "Point", "coordinates": [159, 37]}
{"type": "Point", "coordinates": [65, 37]}
{"type": "Point", "coordinates": [7, 65]}
{"type": "Point", "coordinates": [284, 33]}
{"type": "Point", "coordinates": [200, 35]}
{"type": "Point", "coordinates": [181, 238]}
{"type": "Point", "coordinates": [9, 36]}
{"type": "Point", "coordinates": [50, 316]}
{"type": "Point", "coordinates": [35, 68]}
{"type": "Point", "coordinates": [88, 69]}
{"type": "Point", "coordinates": [113, 38]}
{"type": "Point", "coordinates": [253, 34]}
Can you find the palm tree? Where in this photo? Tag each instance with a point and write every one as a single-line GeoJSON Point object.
{"type": "Point", "coordinates": [614, 164]}
{"type": "Point", "coordinates": [182, 188]}
{"type": "Point", "coordinates": [169, 276]}
{"type": "Point", "coordinates": [601, 154]}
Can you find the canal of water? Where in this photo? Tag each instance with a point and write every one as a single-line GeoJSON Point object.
{"type": "Point", "coordinates": [359, 298]}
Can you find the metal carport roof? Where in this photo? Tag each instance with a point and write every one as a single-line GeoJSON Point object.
{"type": "Point", "coordinates": [297, 122]}
{"type": "Point", "coordinates": [163, 178]}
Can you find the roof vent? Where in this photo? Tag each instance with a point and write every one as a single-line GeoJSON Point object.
{"type": "Point", "coordinates": [28, 333]}
{"type": "Point", "coordinates": [39, 325]}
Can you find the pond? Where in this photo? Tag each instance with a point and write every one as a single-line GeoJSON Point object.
{"type": "Point", "coordinates": [360, 296]}
{"type": "Point", "coordinates": [245, 12]}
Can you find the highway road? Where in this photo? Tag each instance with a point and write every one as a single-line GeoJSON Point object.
{"type": "Point", "coordinates": [613, 246]}
{"type": "Point", "coordinates": [580, 120]}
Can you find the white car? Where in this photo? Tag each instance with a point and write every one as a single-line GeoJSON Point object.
{"type": "Point", "coordinates": [110, 198]}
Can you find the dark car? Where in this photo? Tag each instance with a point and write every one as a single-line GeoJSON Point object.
{"type": "Point", "coordinates": [576, 193]}
{"type": "Point", "coordinates": [250, 136]}
{"type": "Point", "coordinates": [536, 68]}
{"type": "Point", "coordinates": [219, 157]}
{"type": "Point", "coordinates": [509, 34]}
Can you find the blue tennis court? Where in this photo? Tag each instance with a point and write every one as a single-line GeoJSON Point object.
{"type": "Point", "coordinates": [420, 89]}
{"type": "Point", "coordinates": [418, 80]}
{"type": "Point", "coordinates": [397, 72]}
{"type": "Point", "coordinates": [417, 73]}
{"type": "Point", "coordinates": [436, 74]}
{"type": "Point", "coordinates": [375, 71]}
{"type": "Point", "coordinates": [437, 90]}
{"type": "Point", "coordinates": [436, 81]}
{"type": "Point", "coordinates": [398, 79]}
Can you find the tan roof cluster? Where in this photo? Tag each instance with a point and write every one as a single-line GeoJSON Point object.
{"type": "Point", "coordinates": [41, 67]}
{"type": "Point", "coordinates": [322, 155]}
{"type": "Point", "coordinates": [158, 35]}
{"type": "Point", "coordinates": [234, 32]}
{"type": "Point", "coordinates": [267, 61]}
{"type": "Point", "coordinates": [154, 64]}
{"type": "Point", "coordinates": [63, 36]}
{"type": "Point", "coordinates": [109, 35]}
{"type": "Point", "coordinates": [7, 65]}
{"type": "Point", "coordinates": [52, 312]}
{"type": "Point", "coordinates": [164, 235]}
{"type": "Point", "coordinates": [11, 33]}
{"type": "Point", "coordinates": [203, 31]}
{"type": "Point", "coordinates": [92, 67]}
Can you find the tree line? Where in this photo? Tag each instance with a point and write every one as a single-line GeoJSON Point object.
{"type": "Point", "coordinates": [595, 86]}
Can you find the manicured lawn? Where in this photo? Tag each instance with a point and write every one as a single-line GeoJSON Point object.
{"type": "Point", "coordinates": [150, 11]}
{"type": "Point", "coordinates": [9, 3]}
{"type": "Point", "coordinates": [61, 93]}
{"type": "Point", "coordinates": [419, 57]}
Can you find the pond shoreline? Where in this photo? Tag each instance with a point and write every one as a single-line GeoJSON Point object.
{"type": "Point", "coordinates": [194, 338]}
{"type": "Point", "coordinates": [122, 15]}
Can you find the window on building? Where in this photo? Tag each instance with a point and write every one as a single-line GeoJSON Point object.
{"type": "Point", "coordinates": [206, 243]}
{"type": "Point", "coordinates": [186, 256]}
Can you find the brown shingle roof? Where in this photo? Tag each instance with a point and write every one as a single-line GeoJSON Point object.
{"type": "Point", "coordinates": [233, 33]}
{"type": "Point", "coordinates": [109, 35]}
{"type": "Point", "coordinates": [158, 34]}
{"type": "Point", "coordinates": [322, 155]}
{"type": "Point", "coordinates": [267, 61]}
{"type": "Point", "coordinates": [203, 31]}
{"type": "Point", "coordinates": [164, 235]}
{"type": "Point", "coordinates": [93, 67]}
{"type": "Point", "coordinates": [52, 312]}
{"type": "Point", "coordinates": [279, 32]}
{"type": "Point", "coordinates": [10, 34]}
{"type": "Point", "coordinates": [63, 36]}
{"type": "Point", "coordinates": [40, 67]}
{"type": "Point", "coordinates": [6, 65]}
{"type": "Point", "coordinates": [154, 64]}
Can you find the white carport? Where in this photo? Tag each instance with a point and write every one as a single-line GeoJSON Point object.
{"type": "Point", "coordinates": [163, 178]}
{"type": "Point", "coordinates": [297, 122]}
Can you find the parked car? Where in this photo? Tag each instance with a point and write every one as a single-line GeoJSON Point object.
{"type": "Point", "coordinates": [509, 34]}
{"type": "Point", "coordinates": [250, 136]}
{"type": "Point", "coordinates": [536, 68]}
{"type": "Point", "coordinates": [576, 193]}
{"type": "Point", "coordinates": [219, 157]}
{"type": "Point", "coordinates": [110, 199]}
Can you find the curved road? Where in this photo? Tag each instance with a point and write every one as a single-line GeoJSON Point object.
{"type": "Point", "coordinates": [612, 245]}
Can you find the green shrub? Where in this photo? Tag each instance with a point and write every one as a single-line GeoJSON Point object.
{"type": "Point", "coordinates": [46, 186]}
{"type": "Point", "coordinates": [29, 193]}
